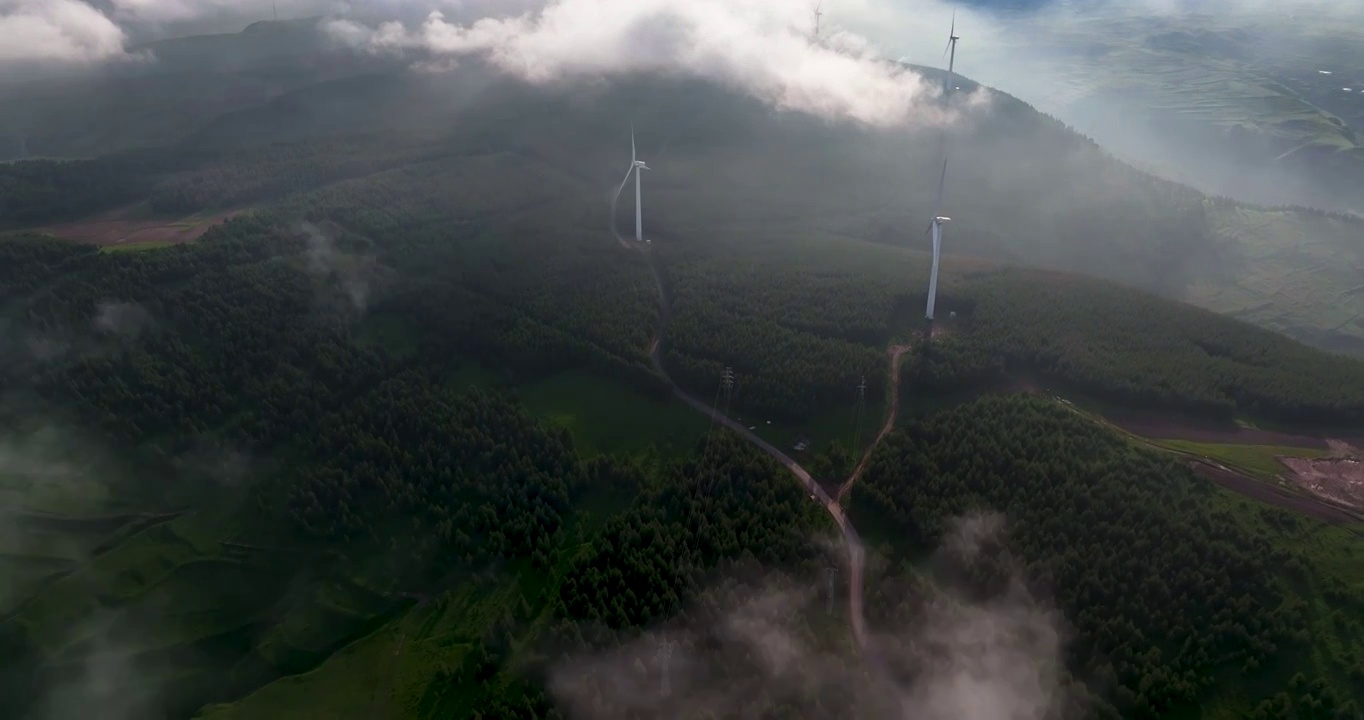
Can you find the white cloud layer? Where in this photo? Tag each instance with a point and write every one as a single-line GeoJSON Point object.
{"type": "Point", "coordinates": [764, 47]}
{"type": "Point", "coordinates": [65, 32]}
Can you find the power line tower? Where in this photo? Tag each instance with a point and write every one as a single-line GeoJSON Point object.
{"type": "Point", "coordinates": [722, 393]}
{"type": "Point", "coordinates": [664, 659]}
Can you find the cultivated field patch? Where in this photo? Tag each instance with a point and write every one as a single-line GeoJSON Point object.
{"type": "Point", "coordinates": [123, 228]}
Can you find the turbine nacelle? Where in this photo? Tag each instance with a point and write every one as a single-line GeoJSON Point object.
{"type": "Point", "coordinates": [941, 220]}
{"type": "Point", "coordinates": [640, 164]}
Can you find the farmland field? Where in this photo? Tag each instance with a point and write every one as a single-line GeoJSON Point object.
{"type": "Point", "coordinates": [130, 228]}
{"type": "Point", "coordinates": [1263, 460]}
{"type": "Point", "coordinates": [1259, 104]}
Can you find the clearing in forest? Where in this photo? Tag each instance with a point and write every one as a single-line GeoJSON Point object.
{"type": "Point", "coordinates": [1338, 478]}
{"type": "Point", "coordinates": [128, 228]}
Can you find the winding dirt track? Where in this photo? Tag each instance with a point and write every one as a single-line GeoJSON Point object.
{"type": "Point", "coordinates": [896, 353]}
{"type": "Point", "coordinates": [853, 542]}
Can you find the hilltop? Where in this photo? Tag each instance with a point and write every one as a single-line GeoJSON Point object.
{"type": "Point", "coordinates": [1022, 187]}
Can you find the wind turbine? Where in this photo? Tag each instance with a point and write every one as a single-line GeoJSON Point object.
{"type": "Point", "coordinates": [636, 165]}
{"type": "Point", "coordinates": [936, 226]}
{"type": "Point", "coordinates": [818, 14]}
{"type": "Point", "coordinates": [952, 38]}
{"type": "Point", "coordinates": [935, 229]}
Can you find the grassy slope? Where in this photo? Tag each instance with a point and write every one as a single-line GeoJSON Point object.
{"type": "Point", "coordinates": [389, 673]}
{"type": "Point", "coordinates": [1257, 72]}
{"type": "Point", "coordinates": [606, 417]}
{"type": "Point", "coordinates": [1261, 460]}
{"type": "Point", "coordinates": [1294, 273]}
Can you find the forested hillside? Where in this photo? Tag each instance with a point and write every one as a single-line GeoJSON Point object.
{"type": "Point", "coordinates": [1022, 187]}
{"type": "Point", "coordinates": [807, 320]}
{"type": "Point", "coordinates": [328, 334]}
{"type": "Point", "coordinates": [1174, 595]}
{"type": "Point", "coordinates": [1134, 349]}
{"type": "Point", "coordinates": [335, 457]}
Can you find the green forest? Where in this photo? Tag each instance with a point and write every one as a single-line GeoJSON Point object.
{"type": "Point", "coordinates": [1172, 587]}
{"type": "Point", "coordinates": [375, 447]}
{"type": "Point", "coordinates": [413, 495]}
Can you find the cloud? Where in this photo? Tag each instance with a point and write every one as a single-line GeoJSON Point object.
{"type": "Point", "coordinates": [164, 11]}
{"type": "Point", "coordinates": [63, 32]}
{"type": "Point", "coordinates": [107, 680]}
{"type": "Point", "coordinates": [759, 650]}
{"type": "Point", "coordinates": [350, 273]}
{"type": "Point", "coordinates": [121, 318]}
{"type": "Point", "coordinates": [764, 47]}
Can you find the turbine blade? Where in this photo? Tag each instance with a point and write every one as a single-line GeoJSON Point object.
{"type": "Point", "coordinates": [953, 31]}
{"type": "Point", "coordinates": [632, 142]}
{"type": "Point", "coordinates": [942, 182]}
{"type": "Point", "coordinates": [616, 199]}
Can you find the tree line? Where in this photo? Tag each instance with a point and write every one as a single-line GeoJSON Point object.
{"type": "Point", "coordinates": [1169, 592]}
{"type": "Point", "coordinates": [1127, 346]}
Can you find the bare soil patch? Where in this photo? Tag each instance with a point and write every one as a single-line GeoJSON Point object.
{"type": "Point", "coordinates": [1271, 495]}
{"type": "Point", "coordinates": [118, 228]}
{"type": "Point", "coordinates": [1339, 478]}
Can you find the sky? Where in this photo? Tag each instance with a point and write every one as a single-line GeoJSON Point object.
{"type": "Point", "coordinates": [84, 30]}
{"type": "Point", "coordinates": [82, 33]}
{"type": "Point", "coordinates": [762, 47]}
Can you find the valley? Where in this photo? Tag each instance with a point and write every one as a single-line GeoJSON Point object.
{"type": "Point", "coordinates": [388, 419]}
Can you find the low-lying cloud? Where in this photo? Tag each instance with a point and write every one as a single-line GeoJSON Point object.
{"type": "Point", "coordinates": [62, 32]}
{"type": "Point", "coordinates": [350, 273]}
{"type": "Point", "coordinates": [125, 319]}
{"type": "Point", "coordinates": [764, 47]}
{"type": "Point", "coordinates": [956, 654]}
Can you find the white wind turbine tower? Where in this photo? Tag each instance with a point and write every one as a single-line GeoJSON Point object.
{"type": "Point", "coordinates": [952, 39]}
{"type": "Point", "coordinates": [935, 228]}
{"type": "Point", "coordinates": [636, 165]}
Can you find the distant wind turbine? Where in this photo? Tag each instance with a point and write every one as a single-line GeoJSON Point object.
{"type": "Point", "coordinates": [818, 14]}
{"type": "Point", "coordinates": [952, 39]}
{"type": "Point", "coordinates": [935, 228]}
{"type": "Point", "coordinates": [636, 165]}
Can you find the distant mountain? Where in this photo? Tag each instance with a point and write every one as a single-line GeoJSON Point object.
{"type": "Point", "coordinates": [1022, 187]}
{"type": "Point", "coordinates": [1257, 103]}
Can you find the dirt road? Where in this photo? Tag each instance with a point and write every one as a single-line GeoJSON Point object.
{"type": "Point", "coordinates": [896, 352]}
{"type": "Point", "coordinates": [851, 540]}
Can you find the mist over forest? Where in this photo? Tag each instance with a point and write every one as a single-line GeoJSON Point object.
{"type": "Point", "coordinates": [335, 382]}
